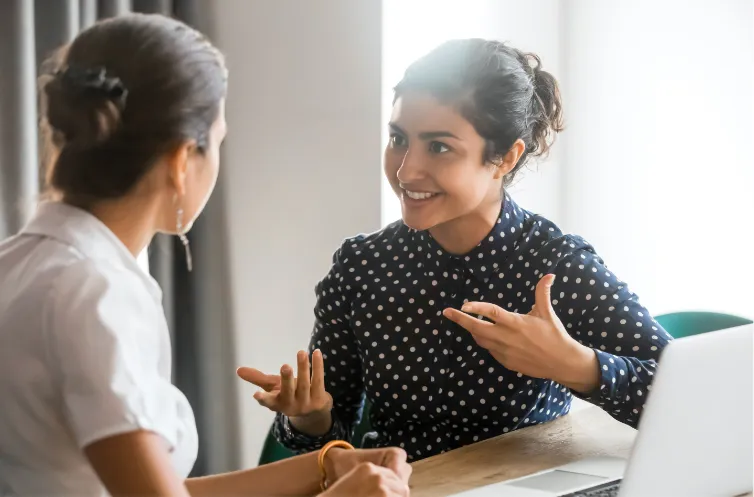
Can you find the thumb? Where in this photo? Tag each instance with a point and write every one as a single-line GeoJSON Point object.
{"type": "Point", "coordinates": [542, 299]}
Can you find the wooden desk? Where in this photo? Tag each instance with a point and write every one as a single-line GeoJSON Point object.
{"type": "Point", "coordinates": [588, 432]}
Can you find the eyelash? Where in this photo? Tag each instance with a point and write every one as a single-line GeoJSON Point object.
{"type": "Point", "coordinates": [432, 145]}
{"type": "Point", "coordinates": [393, 137]}
{"type": "Point", "coordinates": [441, 144]}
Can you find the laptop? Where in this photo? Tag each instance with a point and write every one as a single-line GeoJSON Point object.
{"type": "Point", "coordinates": [695, 434]}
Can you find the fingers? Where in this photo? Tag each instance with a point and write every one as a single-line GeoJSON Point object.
{"type": "Point", "coordinates": [469, 323]}
{"type": "Point", "coordinates": [395, 460]}
{"type": "Point", "coordinates": [268, 400]}
{"type": "Point", "coordinates": [382, 480]}
{"type": "Point", "coordinates": [287, 386]}
{"type": "Point", "coordinates": [491, 311]}
{"type": "Point", "coordinates": [303, 382]}
{"type": "Point", "coordinates": [542, 299]}
{"type": "Point", "coordinates": [254, 376]}
{"type": "Point", "coordinates": [318, 373]}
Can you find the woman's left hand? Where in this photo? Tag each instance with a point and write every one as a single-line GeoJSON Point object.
{"type": "Point", "coordinates": [534, 344]}
{"type": "Point", "coordinates": [339, 462]}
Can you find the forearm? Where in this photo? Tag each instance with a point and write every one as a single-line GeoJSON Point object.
{"type": "Point", "coordinates": [297, 476]}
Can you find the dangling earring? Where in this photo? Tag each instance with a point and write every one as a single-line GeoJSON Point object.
{"type": "Point", "coordinates": [182, 236]}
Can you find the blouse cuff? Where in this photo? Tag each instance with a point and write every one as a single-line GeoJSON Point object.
{"type": "Point", "coordinates": [612, 379]}
{"type": "Point", "coordinates": [295, 440]}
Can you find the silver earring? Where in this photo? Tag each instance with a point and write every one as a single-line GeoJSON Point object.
{"type": "Point", "coordinates": [182, 236]}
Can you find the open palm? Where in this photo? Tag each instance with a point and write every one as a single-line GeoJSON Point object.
{"type": "Point", "coordinates": [294, 396]}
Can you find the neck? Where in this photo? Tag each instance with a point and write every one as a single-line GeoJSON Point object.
{"type": "Point", "coordinates": [459, 236]}
{"type": "Point", "coordinates": [132, 219]}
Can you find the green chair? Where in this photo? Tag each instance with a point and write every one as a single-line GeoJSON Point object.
{"type": "Point", "coordinates": [363, 427]}
{"type": "Point", "coordinates": [274, 451]}
{"type": "Point", "coordinates": [689, 323]}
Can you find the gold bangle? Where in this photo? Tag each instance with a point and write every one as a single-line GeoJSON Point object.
{"type": "Point", "coordinates": [321, 458]}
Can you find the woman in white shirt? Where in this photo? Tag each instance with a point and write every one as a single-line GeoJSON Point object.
{"type": "Point", "coordinates": [134, 109]}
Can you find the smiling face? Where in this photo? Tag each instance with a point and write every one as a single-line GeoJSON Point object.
{"type": "Point", "coordinates": [434, 162]}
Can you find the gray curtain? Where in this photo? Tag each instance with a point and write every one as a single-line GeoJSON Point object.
{"type": "Point", "coordinates": [196, 303]}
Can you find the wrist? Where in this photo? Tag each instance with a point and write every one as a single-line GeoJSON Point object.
{"type": "Point", "coordinates": [316, 423]}
{"type": "Point", "coordinates": [581, 371]}
{"type": "Point", "coordinates": [329, 460]}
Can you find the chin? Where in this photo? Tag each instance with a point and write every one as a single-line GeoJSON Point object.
{"type": "Point", "coordinates": [418, 223]}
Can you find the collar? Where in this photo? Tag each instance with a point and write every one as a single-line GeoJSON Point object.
{"type": "Point", "coordinates": [88, 235]}
{"type": "Point", "coordinates": [484, 260]}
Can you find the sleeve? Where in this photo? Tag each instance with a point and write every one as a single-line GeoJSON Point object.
{"type": "Point", "coordinates": [102, 333]}
{"type": "Point", "coordinates": [600, 312]}
{"type": "Point", "coordinates": [332, 334]}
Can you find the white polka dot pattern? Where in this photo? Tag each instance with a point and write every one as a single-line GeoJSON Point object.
{"type": "Point", "coordinates": [380, 327]}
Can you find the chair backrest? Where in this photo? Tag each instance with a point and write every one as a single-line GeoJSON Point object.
{"type": "Point", "coordinates": [363, 427]}
{"type": "Point", "coordinates": [273, 450]}
{"type": "Point", "coordinates": [689, 323]}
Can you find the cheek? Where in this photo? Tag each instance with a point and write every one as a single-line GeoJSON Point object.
{"type": "Point", "coordinates": [466, 182]}
{"type": "Point", "coordinates": [204, 180]}
{"type": "Point", "coordinates": [214, 167]}
{"type": "Point", "coordinates": [212, 172]}
{"type": "Point", "coordinates": [392, 163]}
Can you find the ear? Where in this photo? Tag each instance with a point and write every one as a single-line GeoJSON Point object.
{"type": "Point", "coordinates": [177, 164]}
{"type": "Point", "coordinates": [507, 162]}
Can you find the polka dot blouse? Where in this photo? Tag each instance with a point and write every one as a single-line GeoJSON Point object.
{"type": "Point", "coordinates": [380, 327]}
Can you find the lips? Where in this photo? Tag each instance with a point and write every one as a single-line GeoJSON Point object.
{"type": "Point", "coordinates": [419, 195]}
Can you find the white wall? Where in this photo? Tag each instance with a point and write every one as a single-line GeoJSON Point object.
{"type": "Point", "coordinates": [658, 155]}
{"type": "Point", "coordinates": [659, 116]}
{"type": "Point", "coordinates": [301, 168]}
{"type": "Point", "coordinates": [659, 113]}
{"type": "Point", "coordinates": [413, 28]}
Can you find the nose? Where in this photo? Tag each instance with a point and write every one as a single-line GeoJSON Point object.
{"type": "Point", "coordinates": [412, 168]}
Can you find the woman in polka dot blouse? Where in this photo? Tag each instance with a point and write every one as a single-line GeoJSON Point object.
{"type": "Point", "coordinates": [543, 318]}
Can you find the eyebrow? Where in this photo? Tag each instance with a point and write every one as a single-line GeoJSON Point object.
{"type": "Point", "coordinates": [426, 135]}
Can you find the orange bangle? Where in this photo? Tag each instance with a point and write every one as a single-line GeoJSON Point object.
{"type": "Point", "coordinates": [321, 459]}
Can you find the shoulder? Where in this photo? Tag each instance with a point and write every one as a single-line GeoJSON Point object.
{"type": "Point", "coordinates": [364, 254]}
{"type": "Point", "coordinates": [579, 269]}
{"type": "Point", "coordinates": [97, 279]}
{"type": "Point", "coordinates": [91, 300]}
{"type": "Point", "coordinates": [543, 240]}
{"type": "Point", "coordinates": [376, 244]}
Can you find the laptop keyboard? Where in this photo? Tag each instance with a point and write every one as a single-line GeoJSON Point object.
{"type": "Point", "coordinates": [609, 489]}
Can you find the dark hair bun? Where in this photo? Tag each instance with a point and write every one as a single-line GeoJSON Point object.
{"type": "Point", "coordinates": [548, 119]}
{"type": "Point", "coordinates": [124, 93]}
{"type": "Point", "coordinates": [84, 107]}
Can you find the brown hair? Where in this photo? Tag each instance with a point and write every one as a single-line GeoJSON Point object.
{"type": "Point", "coordinates": [503, 92]}
{"type": "Point", "coordinates": [121, 95]}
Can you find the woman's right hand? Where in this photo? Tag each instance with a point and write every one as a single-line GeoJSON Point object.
{"type": "Point", "coordinates": [369, 480]}
{"type": "Point", "coordinates": [300, 398]}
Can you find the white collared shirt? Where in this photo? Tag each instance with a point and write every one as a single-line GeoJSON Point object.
{"type": "Point", "coordinates": [84, 355]}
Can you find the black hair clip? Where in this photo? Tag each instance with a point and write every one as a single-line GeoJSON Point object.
{"type": "Point", "coordinates": [95, 81]}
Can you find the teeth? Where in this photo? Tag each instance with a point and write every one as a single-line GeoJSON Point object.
{"type": "Point", "coordinates": [419, 195]}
